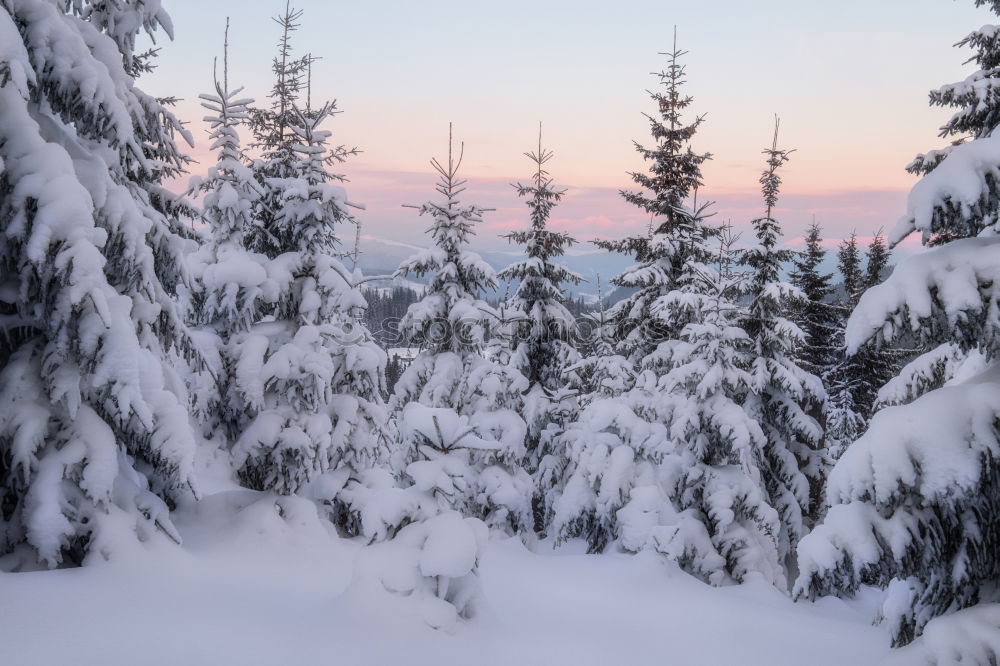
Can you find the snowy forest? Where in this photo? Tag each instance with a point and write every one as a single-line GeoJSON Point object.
{"type": "Point", "coordinates": [211, 451]}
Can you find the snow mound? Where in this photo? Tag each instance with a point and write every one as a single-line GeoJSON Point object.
{"type": "Point", "coordinates": [970, 636]}
{"type": "Point", "coordinates": [437, 561]}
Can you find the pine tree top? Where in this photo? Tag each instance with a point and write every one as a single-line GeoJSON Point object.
{"type": "Point", "coordinates": [546, 326]}
{"type": "Point", "coordinates": [229, 185]}
{"type": "Point", "coordinates": [849, 263]}
{"type": "Point", "coordinates": [774, 335]}
{"type": "Point", "coordinates": [312, 202]}
{"type": "Point", "coordinates": [454, 224]}
{"type": "Point", "coordinates": [541, 244]}
{"type": "Point", "coordinates": [765, 258]}
{"type": "Point", "coordinates": [675, 169]}
{"type": "Point", "coordinates": [878, 256]}
{"type": "Point", "coordinates": [805, 273]}
{"type": "Point", "coordinates": [458, 275]}
{"type": "Point", "coordinates": [677, 232]}
{"type": "Point", "coordinates": [272, 125]}
{"type": "Point", "coordinates": [975, 98]}
{"type": "Point", "coordinates": [541, 197]}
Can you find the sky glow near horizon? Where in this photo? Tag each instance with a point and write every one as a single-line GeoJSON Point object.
{"type": "Point", "coordinates": [849, 84]}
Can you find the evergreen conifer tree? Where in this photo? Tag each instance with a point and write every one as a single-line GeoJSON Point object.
{"type": "Point", "coordinates": [675, 463]}
{"type": "Point", "coordinates": [856, 379]}
{"type": "Point", "coordinates": [313, 374]}
{"type": "Point", "coordinates": [851, 273]}
{"type": "Point", "coordinates": [276, 131]}
{"type": "Point", "coordinates": [845, 411]}
{"type": "Point", "coordinates": [458, 411]}
{"type": "Point", "coordinates": [544, 339]}
{"type": "Point", "coordinates": [230, 282]}
{"type": "Point", "coordinates": [737, 494]}
{"type": "Point", "coordinates": [783, 392]}
{"type": "Point", "coordinates": [815, 315]}
{"type": "Point", "coordinates": [547, 330]}
{"type": "Point", "coordinates": [609, 447]}
{"type": "Point", "coordinates": [914, 502]}
{"type": "Point", "coordinates": [95, 442]}
{"type": "Point", "coordinates": [677, 233]}
{"type": "Point", "coordinates": [273, 137]}
{"type": "Point", "coordinates": [876, 260]}
{"type": "Point", "coordinates": [878, 363]}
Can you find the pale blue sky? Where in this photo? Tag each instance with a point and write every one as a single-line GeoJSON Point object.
{"type": "Point", "coordinates": [849, 79]}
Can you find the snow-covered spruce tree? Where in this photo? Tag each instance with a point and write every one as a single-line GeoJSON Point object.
{"type": "Point", "coordinates": [230, 282]}
{"type": "Point", "coordinates": [878, 363]}
{"type": "Point", "coordinates": [600, 375]}
{"type": "Point", "coordinates": [915, 501]}
{"type": "Point", "coordinates": [313, 374]}
{"type": "Point", "coordinates": [976, 117]}
{"type": "Point", "coordinates": [156, 129]}
{"type": "Point", "coordinates": [783, 392]}
{"type": "Point", "coordinates": [95, 441]}
{"type": "Point", "coordinates": [544, 339]}
{"type": "Point", "coordinates": [717, 474]}
{"type": "Point", "coordinates": [818, 318]}
{"type": "Point", "coordinates": [458, 411]}
{"type": "Point", "coordinates": [677, 233]}
{"type": "Point", "coordinates": [544, 343]}
{"type": "Point", "coordinates": [610, 448]}
{"type": "Point", "coordinates": [814, 313]}
{"type": "Point", "coordinates": [675, 464]}
{"type": "Point", "coordinates": [845, 411]}
{"type": "Point", "coordinates": [877, 260]}
{"type": "Point", "coordinates": [855, 379]}
{"type": "Point", "coordinates": [851, 273]}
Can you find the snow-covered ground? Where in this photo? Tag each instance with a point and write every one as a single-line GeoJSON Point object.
{"type": "Point", "coordinates": [252, 586]}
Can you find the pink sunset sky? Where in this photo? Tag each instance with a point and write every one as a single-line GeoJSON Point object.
{"type": "Point", "coordinates": [849, 80]}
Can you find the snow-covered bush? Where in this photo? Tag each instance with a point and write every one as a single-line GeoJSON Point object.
{"type": "Point", "coordinates": [469, 459]}
{"type": "Point", "coordinates": [371, 503]}
{"type": "Point", "coordinates": [611, 452]}
{"type": "Point", "coordinates": [437, 560]}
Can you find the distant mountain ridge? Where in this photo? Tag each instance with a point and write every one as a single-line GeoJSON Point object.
{"type": "Point", "coordinates": [379, 256]}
